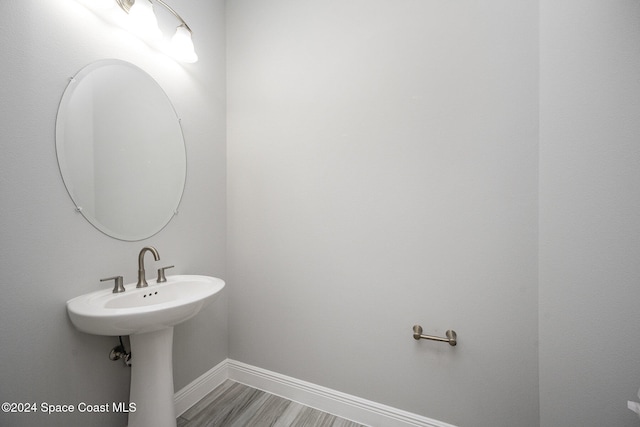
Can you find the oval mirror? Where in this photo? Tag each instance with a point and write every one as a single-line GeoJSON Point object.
{"type": "Point", "coordinates": [120, 150]}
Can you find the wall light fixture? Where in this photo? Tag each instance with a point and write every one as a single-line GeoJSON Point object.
{"type": "Point", "coordinates": [144, 19]}
{"type": "Point", "coordinates": [139, 18]}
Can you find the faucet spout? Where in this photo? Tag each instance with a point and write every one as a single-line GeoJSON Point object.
{"type": "Point", "coordinates": [142, 281]}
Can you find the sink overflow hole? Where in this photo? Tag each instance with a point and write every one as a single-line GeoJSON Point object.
{"type": "Point", "coordinates": [151, 294]}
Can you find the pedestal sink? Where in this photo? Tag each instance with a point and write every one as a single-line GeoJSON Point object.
{"type": "Point", "coordinates": [148, 316]}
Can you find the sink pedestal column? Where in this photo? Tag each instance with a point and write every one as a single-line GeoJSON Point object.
{"type": "Point", "coordinates": [152, 379]}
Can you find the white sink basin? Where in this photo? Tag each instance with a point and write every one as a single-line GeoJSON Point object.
{"type": "Point", "coordinates": [147, 315]}
{"type": "Point", "coordinates": [141, 310]}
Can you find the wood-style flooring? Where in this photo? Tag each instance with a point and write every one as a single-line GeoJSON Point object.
{"type": "Point", "coordinates": [237, 405]}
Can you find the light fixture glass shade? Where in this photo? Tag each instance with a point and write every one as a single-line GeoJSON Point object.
{"type": "Point", "coordinates": [100, 4]}
{"type": "Point", "coordinates": [143, 20]}
{"type": "Point", "coordinates": [181, 47]}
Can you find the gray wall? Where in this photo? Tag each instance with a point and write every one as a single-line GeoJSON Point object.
{"type": "Point", "coordinates": [589, 212]}
{"type": "Point", "coordinates": [383, 171]}
{"type": "Point", "coordinates": [382, 162]}
{"type": "Point", "coordinates": [49, 253]}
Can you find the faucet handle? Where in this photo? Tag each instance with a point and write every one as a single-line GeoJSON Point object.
{"type": "Point", "coordinates": [161, 277]}
{"type": "Point", "coordinates": [118, 287]}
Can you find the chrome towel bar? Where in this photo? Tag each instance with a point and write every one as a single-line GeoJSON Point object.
{"type": "Point", "coordinates": [452, 337]}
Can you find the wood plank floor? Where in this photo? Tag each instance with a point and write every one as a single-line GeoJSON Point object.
{"type": "Point", "coordinates": [237, 405]}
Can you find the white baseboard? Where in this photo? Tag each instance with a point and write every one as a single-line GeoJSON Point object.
{"type": "Point", "coordinates": [193, 392]}
{"type": "Point", "coordinates": [327, 400]}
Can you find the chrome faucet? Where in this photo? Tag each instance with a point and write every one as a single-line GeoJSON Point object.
{"type": "Point", "coordinates": [142, 281]}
